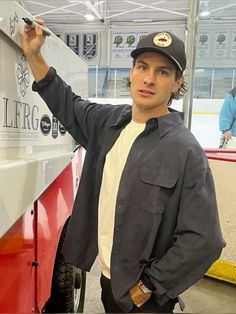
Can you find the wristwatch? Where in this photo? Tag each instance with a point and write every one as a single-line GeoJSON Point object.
{"type": "Point", "coordinates": [144, 288]}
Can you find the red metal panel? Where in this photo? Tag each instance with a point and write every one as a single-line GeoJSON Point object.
{"type": "Point", "coordinates": [54, 207]}
{"type": "Point", "coordinates": [28, 249]}
{"type": "Point", "coordinates": [16, 270]}
{"type": "Point", "coordinates": [221, 154]}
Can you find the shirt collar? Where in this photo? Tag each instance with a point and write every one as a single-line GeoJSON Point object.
{"type": "Point", "coordinates": [124, 117]}
{"type": "Point", "coordinates": [169, 121]}
{"type": "Point", "coordinates": [164, 123]}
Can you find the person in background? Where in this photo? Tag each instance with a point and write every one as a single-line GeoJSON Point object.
{"type": "Point", "coordinates": [227, 120]}
{"type": "Point", "coordinates": [146, 203]}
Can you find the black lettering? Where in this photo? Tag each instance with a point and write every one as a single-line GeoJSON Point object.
{"type": "Point", "coordinates": [17, 113]}
{"type": "Point", "coordinates": [26, 115]}
{"type": "Point", "coordinates": [6, 123]}
{"type": "Point", "coordinates": [35, 121]}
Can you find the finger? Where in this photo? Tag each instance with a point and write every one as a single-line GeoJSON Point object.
{"type": "Point", "coordinates": [38, 30]}
{"type": "Point", "coordinates": [39, 21]}
{"type": "Point", "coordinates": [26, 29]}
{"type": "Point", "coordinates": [23, 37]}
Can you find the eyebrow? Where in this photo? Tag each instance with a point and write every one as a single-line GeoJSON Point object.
{"type": "Point", "coordinates": [165, 67]}
{"type": "Point", "coordinates": [141, 61]}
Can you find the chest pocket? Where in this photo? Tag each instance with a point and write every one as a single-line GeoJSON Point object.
{"type": "Point", "coordinates": [157, 186]}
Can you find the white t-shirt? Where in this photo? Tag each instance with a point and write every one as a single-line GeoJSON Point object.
{"type": "Point", "coordinates": [114, 165]}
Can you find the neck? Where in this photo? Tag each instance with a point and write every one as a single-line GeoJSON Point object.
{"type": "Point", "coordinates": [142, 116]}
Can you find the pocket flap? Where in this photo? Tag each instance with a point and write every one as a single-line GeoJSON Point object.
{"type": "Point", "coordinates": [159, 176]}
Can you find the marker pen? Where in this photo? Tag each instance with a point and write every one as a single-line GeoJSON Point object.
{"type": "Point", "coordinates": [32, 24]}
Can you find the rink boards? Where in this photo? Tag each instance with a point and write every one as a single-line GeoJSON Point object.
{"type": "Point", "coordinates": [223, 166]}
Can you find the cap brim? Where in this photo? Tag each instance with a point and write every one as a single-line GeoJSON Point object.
{"type": "Point", "coordinates": [135, 53]}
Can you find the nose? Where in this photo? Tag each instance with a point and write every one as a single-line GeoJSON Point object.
{"type": "Point", "coordinates": [149, 79]}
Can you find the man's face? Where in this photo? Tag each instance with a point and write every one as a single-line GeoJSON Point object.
{"type": "Point", "coordinates": [153, 80]}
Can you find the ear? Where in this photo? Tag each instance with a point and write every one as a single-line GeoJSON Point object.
{"type": "Point", "coordinates": [178, 83]}
{"type": "Point", "coordinates": [130, 77]}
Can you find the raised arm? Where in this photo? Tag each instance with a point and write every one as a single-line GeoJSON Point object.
{"type": "Point", "coordinates": [31, 42]}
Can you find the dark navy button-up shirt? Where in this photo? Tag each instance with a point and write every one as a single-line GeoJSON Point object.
{"type": "Point", "coordinates": [166, 222]}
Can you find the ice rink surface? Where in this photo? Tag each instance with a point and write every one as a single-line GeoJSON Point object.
{"type": "Point", "coordinates": [206, 130]}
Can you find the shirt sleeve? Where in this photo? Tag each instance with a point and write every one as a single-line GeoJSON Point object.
{"type": "Point", "coordinates": [227, 114]}
{"type": "Point", "coordinates": [78, 116]}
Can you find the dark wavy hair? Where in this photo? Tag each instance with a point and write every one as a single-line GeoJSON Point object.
{"type": "Point", "coordinates": [181, 91]}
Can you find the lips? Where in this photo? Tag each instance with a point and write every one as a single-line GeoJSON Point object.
{"type": "Point", "coordinates": [146, 92]}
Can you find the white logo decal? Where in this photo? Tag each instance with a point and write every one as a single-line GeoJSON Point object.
{"type": "Point", "coordinates": [162, 40]}
{"type": "Point", "coordinates": [23, 75]}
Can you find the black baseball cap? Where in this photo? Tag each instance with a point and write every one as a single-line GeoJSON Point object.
{"type": "Point", "coordinates": [164, 43]}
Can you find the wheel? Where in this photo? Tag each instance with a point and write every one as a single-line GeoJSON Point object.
{"type": "Point", "coordinates": [68, 285]}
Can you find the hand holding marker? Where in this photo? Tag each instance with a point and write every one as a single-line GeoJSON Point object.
{"type": "Point", "coordinates": [32, 24]}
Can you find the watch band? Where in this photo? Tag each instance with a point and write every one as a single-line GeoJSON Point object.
{"type": "Point", "coordinates": [144, 288]}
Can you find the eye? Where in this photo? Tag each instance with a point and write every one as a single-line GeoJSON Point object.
{"type": "Point", "coordinates": [141, 67]}
{"type": "Point", "coordinates": [163, 72]}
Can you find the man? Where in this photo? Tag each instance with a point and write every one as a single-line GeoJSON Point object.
{"type": "Point", "coordinates": [146, 202]}
{"type": "Point", "coordinates": [227, 120]}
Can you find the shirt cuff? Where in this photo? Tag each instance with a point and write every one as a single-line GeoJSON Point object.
{"type": "Point", "coordinates": [147, 282]}
{"type": "Point", "coordinates": [49, 77]}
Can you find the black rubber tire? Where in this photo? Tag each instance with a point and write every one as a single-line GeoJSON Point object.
{"type": "Point", "coordinates": [68, 285]}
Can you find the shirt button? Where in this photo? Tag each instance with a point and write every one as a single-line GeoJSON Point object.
{"type": "Point", "coordinates": [117, 228]}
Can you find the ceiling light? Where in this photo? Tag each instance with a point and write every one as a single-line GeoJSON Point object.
{"type": "Point", "coordinates": [205, 13]}
{"type": "Point", "coordinates": [89, 17]}
{"type": "Point", "coordinates": [142, 20]}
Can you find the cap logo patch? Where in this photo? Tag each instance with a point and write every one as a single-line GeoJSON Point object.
{"type": "Point", "coordinates": [162, 40]}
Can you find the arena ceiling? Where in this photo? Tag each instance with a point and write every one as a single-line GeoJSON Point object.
{"type": "Point", "coordinates": [113, 13]}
